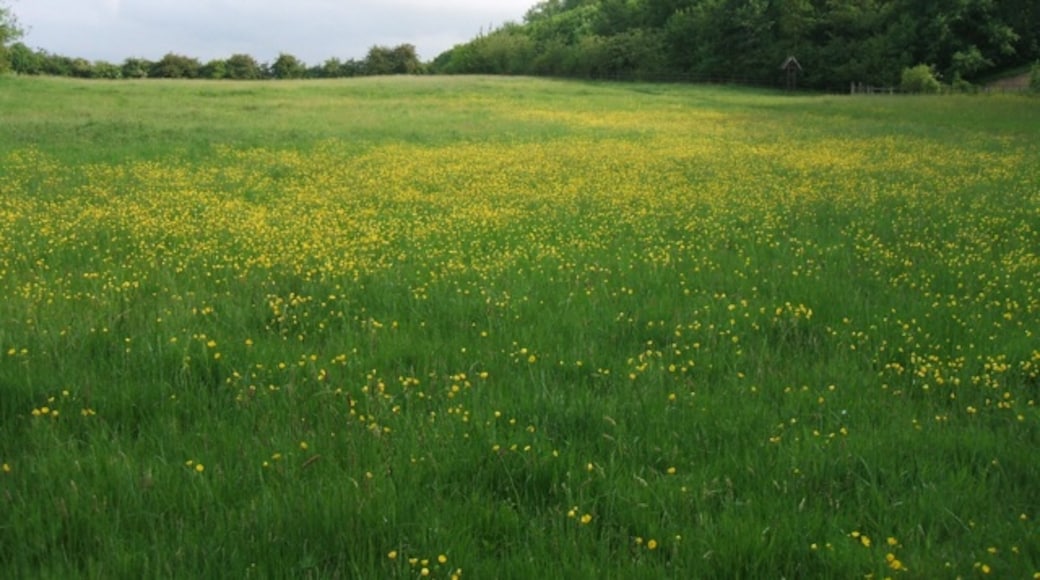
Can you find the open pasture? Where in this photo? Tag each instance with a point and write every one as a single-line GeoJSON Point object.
{"type": "Point", "coordinates": [491, 328]}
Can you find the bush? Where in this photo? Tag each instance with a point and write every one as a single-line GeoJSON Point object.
{"type": "Point", "coordinates": [242, 67]}
{"type": "Point", "coordinates": [175, 66]}
{"type": "Point", "coordinates": [1034, 78]}
{"type": "Point", "coordinates": [288, 67]}
{"type": "Point", "coordinates": [920, 79]}
{"type": "Point", "coordinates": [135, 68]}
{"type": "Point", "coordinates": [959, 85]}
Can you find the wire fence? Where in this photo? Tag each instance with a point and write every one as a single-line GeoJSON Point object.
{"type": "Point", "coordinates": [781, 83]}
{"type": "Point", "coordinates": [677, 78]}
{"type": "Point", "coordinates": [996, 89]}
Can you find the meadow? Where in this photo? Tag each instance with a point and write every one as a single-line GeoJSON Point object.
{"type": "Point", "coordinates": [516, 328]}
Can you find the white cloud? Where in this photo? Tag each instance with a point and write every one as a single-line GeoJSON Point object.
{"type": "Point", "coordinates": [313, 30]}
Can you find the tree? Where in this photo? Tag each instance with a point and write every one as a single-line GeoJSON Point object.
{"type": "Point", "coordinates": [616, 17]}
{"type": "Point", "coordinates": [352, 67]}
{"type": "Point", "coordinates": [9, 31]}
{"type": "Point", "coordinates": [1025, 14]}
{"type": "Point", "coordinates": [506, 51]}
{"type": "Point", "coordinates": [638, 52]}
{"type": "Point", "coordinates": [965, 38]}
{"type": "Point", "coordinates": [837, 41]}
{"type": "Point", "coordinates": [335, 68]}
{"type": "Point", "coordinates": [379, 61]}
{"type": "Point", "coordinates": [136, 68]}
{"type": "Point", "coordinates": [331, 68]}
{"type": "Point", "coordinates": [920, 79]}
{"type": "Point", "coordinates": [24, 60]}
{"type": "Point", "coordinates": [861, 41]}
{"type": "Point", "coordinates": [382, 60]}
{"type": "Point", "coordinates": [56, 64]}
{"type": "Point", "coordinates": [82, 68]}
{"type": "Point", "coordinates": [406, 60]}
{"type": "Point", "coordinates": [288, 66]}
{"type": "Point", "coordinates": [175, 66]}
{"type": "Point", "coordinates": [214, 69]}
{"type": "Point", "coordinates": [243, 67]}
{"type": "Point", "coordinates": [105, 70]}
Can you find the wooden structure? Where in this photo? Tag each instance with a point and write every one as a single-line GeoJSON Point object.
{"type": "Point", "coordinates": [791, 68]}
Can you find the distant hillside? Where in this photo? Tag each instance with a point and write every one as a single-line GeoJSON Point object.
{"type": "Point", "coordinates": [835, 41]}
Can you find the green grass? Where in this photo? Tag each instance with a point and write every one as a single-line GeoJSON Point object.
{"type": "Point", "coordinates": [536, 327]}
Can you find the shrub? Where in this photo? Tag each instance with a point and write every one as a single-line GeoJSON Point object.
{"type": "Point", "coordinates": [1034, 78]}
{"type": "Point", "coordinates": [135, 68]}
{"type": "Point", "coordinates": [959, 85]}
{"type": "Point", "coordinates": [920, 79]}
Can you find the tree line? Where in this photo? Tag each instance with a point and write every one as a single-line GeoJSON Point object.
{"type": "Point", "coordinates": [380, 60]}
{"type": "Point", "coordinates": [836, 42]}
{"type": "Point", "coordinates": [16, 56]}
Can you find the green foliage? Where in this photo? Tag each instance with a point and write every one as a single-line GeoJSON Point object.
{"type": "Point", "coordinates": [958, 84]}
{"type": "Point", "coordinates": [56, 64]}
{"type": "Point", "coordinates": [287, 66]}
{"type": "Point", "coordinates": [401, 59]}
{"type": "Point", "coordinates": [336, 68]}
{"type": "Point", "coordinates": [866, 41]}
{"type": "Point", "coordinates": [83, 68]}
{"type": "Point", "coordinates": [107, 70]}
{"type": "Point", "coordinates": [1034, 77]}
{"type": "Point", "coordinates": [635, 53]}
{"type": "Point", "coordinates": [175, 66]}
{"type": "Point", "coordinates": [136, 68]}
{"type": "Point", "coordinates": [215, 69]}
{"type": "Point", "coordinates": [331, 68]}
{"type": "Point", "coordinates": [9, 27]}
{"type": "Point", "coordinates": [24, 60]}
{"type": "Point", "coordinates": [969, 62]}
{"type": "Point", "coordinates": [380, 61]}
{"type": "Point", "coordinates": [9, 31]}
{"type": "Point", "coordinates": [39, 62]}
{"type": "Point", "coordinates": [505, 51]}
{"type": "Point", "coordinates": [920, 79]}
{"type": "Point", "coordinates": [838, 42]}
{"type": "Point", "coordinates": [243, 67]}
{"type": "Point", "coordinates": [723, 42]}
{"type": "Point", "coordinates": [398, 60]}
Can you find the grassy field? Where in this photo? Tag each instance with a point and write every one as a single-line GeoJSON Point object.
{"type": "Point", "coordinates": [515, 328]}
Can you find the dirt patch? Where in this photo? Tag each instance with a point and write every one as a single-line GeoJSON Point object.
{"type": "Point", "coordinates": [1016, 82]}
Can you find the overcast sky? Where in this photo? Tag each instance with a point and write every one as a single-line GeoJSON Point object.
{"type": "Point", "coordinates": [312, 30]}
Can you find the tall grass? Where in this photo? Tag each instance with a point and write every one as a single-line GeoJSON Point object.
{"type": "Point", "coordinates": [516, 328]}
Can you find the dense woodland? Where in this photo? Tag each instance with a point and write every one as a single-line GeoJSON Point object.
{"type": "Point", "coordinates": [836, 42]}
